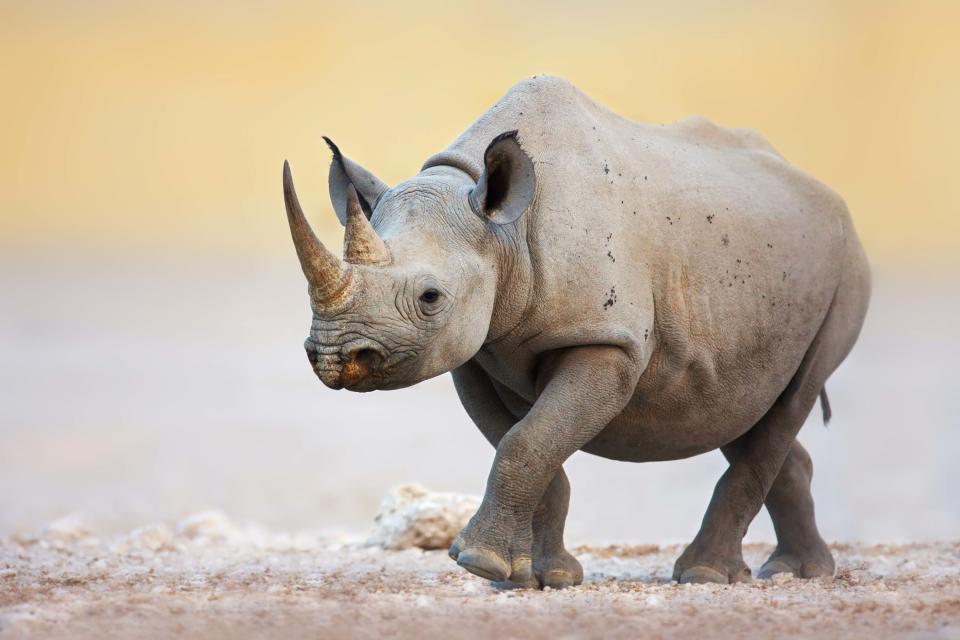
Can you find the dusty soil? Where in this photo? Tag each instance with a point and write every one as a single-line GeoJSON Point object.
{"type": "Point", "coordinates": [208, 577]}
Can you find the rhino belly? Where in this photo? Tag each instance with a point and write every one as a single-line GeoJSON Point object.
{"type": "Point", "coordinates": [683, 413]}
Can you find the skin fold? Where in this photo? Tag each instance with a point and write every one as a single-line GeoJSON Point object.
{"type": "Point", "coordinates": [639, 292]}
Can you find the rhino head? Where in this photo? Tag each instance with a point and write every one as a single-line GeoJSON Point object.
{"type": "Point", "coordinates": [415, 291]}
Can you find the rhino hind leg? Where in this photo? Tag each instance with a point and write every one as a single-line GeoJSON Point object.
{"type": "Point", "coordinates": [758, 456]}
{"type": "Point", "coordinates": [800, 548]}
{"type": "Point", "coordinates": [756, 461]}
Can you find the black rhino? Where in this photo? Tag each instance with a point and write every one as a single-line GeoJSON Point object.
{"type": "Point", "coordinates": [640, 292]}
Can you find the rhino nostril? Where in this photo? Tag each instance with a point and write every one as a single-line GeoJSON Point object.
{"type": "Point", "coordinates": [359, 364]}
{"type": "Point", "coordinates": [367, 358]}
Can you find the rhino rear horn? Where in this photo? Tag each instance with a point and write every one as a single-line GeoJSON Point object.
{"type": "Point", "coordinates": [327, 275]}
{"type": "Point", "coordinates": [361, 244]}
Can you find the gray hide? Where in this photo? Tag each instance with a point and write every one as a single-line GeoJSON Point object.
{"type": "Point", "coordinates": [640, 292]}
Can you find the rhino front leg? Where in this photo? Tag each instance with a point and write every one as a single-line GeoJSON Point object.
{"type": "Point", "coordinates": [553, 565]}
{"type": "Point", "coordinates": [580, 390]}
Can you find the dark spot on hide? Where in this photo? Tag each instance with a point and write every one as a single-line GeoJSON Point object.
{"type": "Point", "coordinates": [710, 218]}
{"type": "Point", "coordinates": [611, 298]}
{"type": "Point", "coordinates": [725, 240]}
{"type": "Point", "coordinates": [606, 169]}
{"type": "Point", "coordinates": [610, 255]}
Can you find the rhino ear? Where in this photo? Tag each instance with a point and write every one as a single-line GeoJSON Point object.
{"type": "Point", "coordinates": [343, 173]}
{"type": "Point", "coordinates": [508, 183]}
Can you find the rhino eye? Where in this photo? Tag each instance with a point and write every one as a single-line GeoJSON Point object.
{"type": "Point", "coordinates": [430, 296]}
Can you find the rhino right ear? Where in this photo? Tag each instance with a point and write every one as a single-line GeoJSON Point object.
{"type": "Point", "coordinates": [508, 183]}
{"type": "Point", "coordinates": [345, 172]}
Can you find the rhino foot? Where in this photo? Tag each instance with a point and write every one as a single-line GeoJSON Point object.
{"type": "Point", "coordinates": [808, 563]}
{"type": "Point", "coordinates": [697, 566]}
{"type": "Point", "coordinates": [484, 563]}
{"type": "Point", "coordinates": [557, 570]}
{"type": "Point", "coordinates": [496, 553]}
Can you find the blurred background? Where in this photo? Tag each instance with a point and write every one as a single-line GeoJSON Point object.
{"type": "Point", "coordinates": [152, 310]}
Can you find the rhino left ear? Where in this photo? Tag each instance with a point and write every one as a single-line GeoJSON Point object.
{"type": "Point", "coordinates": [508, 183]}
{"type": "Point", "coordinates": [345, 172]}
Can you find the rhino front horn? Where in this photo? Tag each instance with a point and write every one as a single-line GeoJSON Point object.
{"type": "Point", "coordinates": [361, 244]}
{"type": "Point", "coordinates": [328, 276]}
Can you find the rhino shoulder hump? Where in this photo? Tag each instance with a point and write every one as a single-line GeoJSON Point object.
{"type": "Point", "coordinates": [703, 129]}
{"type": "Point", "coordinates": [542, 87]}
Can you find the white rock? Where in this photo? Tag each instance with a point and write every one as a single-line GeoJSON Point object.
{"type": "Point", "coordinates": [68, 529]}
{"type": "Point", "coordinates": [208, 526]}
{"type": "Point", "coordinates": [150, 538]}
{"type": "Point", "coordinates": [411, 516]}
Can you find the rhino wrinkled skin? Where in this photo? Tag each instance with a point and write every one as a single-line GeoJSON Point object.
{"type": "Point", "coordinates": [640, 292]}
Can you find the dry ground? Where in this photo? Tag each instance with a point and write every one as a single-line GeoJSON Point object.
{"type": "Point", "coordinates": [210, 578]}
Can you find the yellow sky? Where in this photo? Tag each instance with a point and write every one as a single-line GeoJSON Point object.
{"type": "Point", "coordinates": [162, 126]}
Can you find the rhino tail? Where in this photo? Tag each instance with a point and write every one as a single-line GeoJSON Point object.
{"type": "Point", "coordinates": [825, 406]}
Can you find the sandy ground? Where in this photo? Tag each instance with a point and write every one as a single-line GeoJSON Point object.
{"type": "Point", "coordinates": [208, 577]}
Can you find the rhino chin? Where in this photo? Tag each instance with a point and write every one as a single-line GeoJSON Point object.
{"type": "Point", "coordinates": [377, 382]}
{"type": "Point", "coordinates": [363, 386]}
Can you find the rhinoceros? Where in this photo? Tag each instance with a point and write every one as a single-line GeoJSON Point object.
{"type": "Point", "coordinates": [639, 292]}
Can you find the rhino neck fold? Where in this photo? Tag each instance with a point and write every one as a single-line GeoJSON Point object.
{"type": "Point", "coordinates": [514, 273]}
{"type": "Point", "coordinates": [454, 160]}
